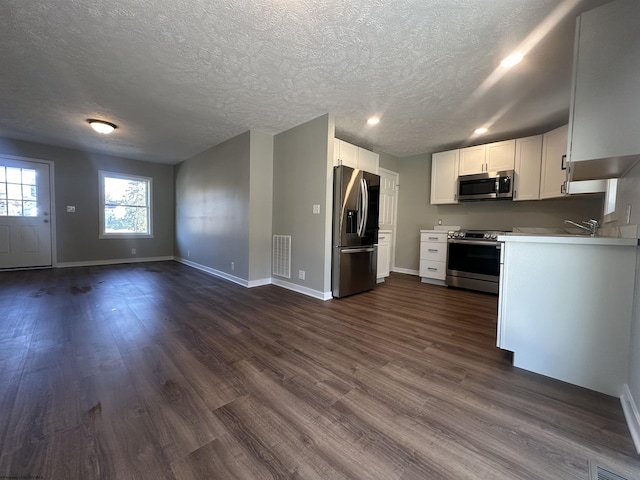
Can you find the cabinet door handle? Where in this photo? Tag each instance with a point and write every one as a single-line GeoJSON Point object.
{"type": "Point", "coordinates": [433, 238]}
{"type": "Point", "coordinates": [434, 250]}
{"type": "Point", "coordinates": [432, 269]}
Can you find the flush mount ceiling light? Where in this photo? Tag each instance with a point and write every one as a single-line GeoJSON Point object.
{"type": "Point", "coordinates": [373, 120]}
{"type": "Point", "coordinates": [101, 126]}
{"type": "Point", "coordinates": [511, 60]}
{"type": "Point", "coordinates": [480, 131]}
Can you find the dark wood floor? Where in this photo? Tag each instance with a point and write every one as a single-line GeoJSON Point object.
{"type": "Point", "coordinates": [155, 371]}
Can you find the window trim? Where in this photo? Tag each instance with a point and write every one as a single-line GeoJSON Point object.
{"type": "Point", "coordinates": [102, 174]}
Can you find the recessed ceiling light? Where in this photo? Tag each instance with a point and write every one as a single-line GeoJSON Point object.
{"type": "Point", "coordinates": [511, 60]}
{"type": "Point", "coordinates": [480, 131]}
{"type": "Point", "coordinates": [373, 120]}
{"type": "Point", "coordinates": [101, 126]}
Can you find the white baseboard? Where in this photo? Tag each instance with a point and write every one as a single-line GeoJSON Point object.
{"type": "Point", "coordinates": [631, 414]}
{"type": "Point", "coordinates": [95, 263]}
{"type": "Point", "coordinates": [214, 272]}
{"type": "Point", "coordinates": [260, 282]}
{"type": "Point", "coordinates": [255, 283]}
{"type": "Point", "coordinates": [300, 289]}
{"type": "Point", "coordinates": [407, 271]}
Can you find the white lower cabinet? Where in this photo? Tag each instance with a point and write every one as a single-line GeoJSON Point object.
{"type": "Point", "coordinates": [433, 256]}
{"type": "Point", "coordinates": [565, 308]}
{"type": "Point", "coordinates": [384, 254]}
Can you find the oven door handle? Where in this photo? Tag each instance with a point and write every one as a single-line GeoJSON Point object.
{"type": "Point", "coordinates": [477, 242]}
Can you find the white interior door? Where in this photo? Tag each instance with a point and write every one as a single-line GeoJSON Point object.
{"type": "Point", "coordinates": [389, 185]}
{"type": "Point", "coordinates": [25, 214]}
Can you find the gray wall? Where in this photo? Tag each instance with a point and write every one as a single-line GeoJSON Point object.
{"type": "Point", "coordinates": [416, 213]}
{"type": "Point", "coordinates": [76, 183]}
{"type": "Point", "coordinates": [301, 178]}
{"type": "Point", "coordinates": [260, 205]}
{"type": "Point", "coordinates": [212, 207]}
{"type": "Point", "coordinates": [388, 162]}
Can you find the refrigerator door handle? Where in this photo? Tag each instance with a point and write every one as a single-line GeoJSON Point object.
{"type": "Point", "coordinates": [365, 190]}
{"type": "Point", "coordinates": [357, 250]}
{"type": "Point", "coordinates": [359, 209]}
{"type": "Point", "coordinates": [362, 207]}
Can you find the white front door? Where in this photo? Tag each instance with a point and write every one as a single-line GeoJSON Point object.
{"type": "Point", "coordinates": [25, 214]}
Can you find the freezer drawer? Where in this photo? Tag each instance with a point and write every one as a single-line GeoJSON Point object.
{"type": "Point", "coordinates": [354, 270]}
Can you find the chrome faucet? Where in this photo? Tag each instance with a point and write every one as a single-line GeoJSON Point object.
{"type": "Point", "coordinates": [590, 226]}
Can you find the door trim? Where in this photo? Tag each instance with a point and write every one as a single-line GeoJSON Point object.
{"type": "Point", "coordinates": [52, 199]}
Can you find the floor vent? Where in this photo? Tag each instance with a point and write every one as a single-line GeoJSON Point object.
{"type": "Point", "coordinates": [600, 473]}
{"type": "Point", "coordinates": [282, 255]}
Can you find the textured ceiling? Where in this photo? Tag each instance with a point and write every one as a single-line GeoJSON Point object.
{"type": "Point", "coordinates": [179, 76]}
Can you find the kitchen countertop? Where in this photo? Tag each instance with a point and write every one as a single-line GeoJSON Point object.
{"type": "Point", "coordinates": [571, 239]}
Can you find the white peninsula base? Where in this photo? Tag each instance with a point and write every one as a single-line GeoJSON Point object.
{"type": "Point", "coordinates": [565, 307]}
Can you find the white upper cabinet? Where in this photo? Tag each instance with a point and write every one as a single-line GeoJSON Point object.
{"type": "Point", "coordinates": [350, 155]}
{"type": "Point", "coordinates": [444, 177]}
{"type": "Point", "coordinates": [472, 160]}
{"type": "Point", "coordinates": [527, 168]}
{"type": "Point", "coordinates": [492, 157]}
{"type": "Point", "coordinates": [500, 156]}
{"type": "Point", "coordinates": [605, 106]}
{"type": "Point", "coordinates": [553, 178]}
{"type": "Point", "coordinates": [368, 160]}
{"type": "Point", "coordinates": [345, 154]}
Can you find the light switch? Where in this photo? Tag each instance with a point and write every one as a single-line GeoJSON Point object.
{"type": "Point", "coordinates": [71, 209]}
{"type": "Point", "coordinates": [316, 209]}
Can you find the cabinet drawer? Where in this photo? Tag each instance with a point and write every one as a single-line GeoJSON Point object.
{"type": "Point", "coordinates": [440, 237]}
{"type": "Point", "coordinates": [436, 252]}
{"type": "Point", "coordinates": [431, 269]}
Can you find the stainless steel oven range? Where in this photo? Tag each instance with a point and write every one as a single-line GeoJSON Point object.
{"type": "Point", "coordinates": [473, 260]}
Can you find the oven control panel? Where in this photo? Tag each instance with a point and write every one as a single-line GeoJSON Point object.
{"type": "Point", "coordinates": [474, 234]}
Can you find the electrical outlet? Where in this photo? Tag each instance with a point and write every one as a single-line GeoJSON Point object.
{"type": "Point", "coordinates": [133, 251]}
{"type": "Point", "coordinates": [439, 221]}
{"type": "Point", "coordinates": [316, 209]}
{"type": "Point", "coordinates": [71, 209]}
{"type": "Point", "coordinates": [233, 265]}
{"type": "Point", "coordinates": [301, 274]}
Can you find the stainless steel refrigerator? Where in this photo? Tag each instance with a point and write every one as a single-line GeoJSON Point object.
{"type": "Point", "coordinates": [356, 197]}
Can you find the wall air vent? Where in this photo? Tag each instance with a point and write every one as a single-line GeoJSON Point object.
{"type": "Point", "coordinates": [281, 263]}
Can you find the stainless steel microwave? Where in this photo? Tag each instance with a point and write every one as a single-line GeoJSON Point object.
{"type": "Point", "coordinates": [486, 186]}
